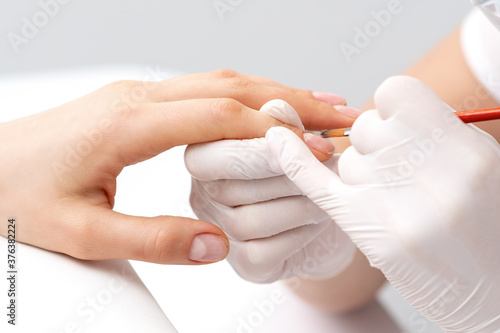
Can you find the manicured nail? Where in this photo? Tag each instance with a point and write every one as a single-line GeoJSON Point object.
{"type": "Point", "coordinates": [348, 111]}
{"type": "Point", "coordinates": [318, 143]}
{"type": "Point", "coordinates": [329, 98]}
{"type": "Point", "coordinates": [208, 248]}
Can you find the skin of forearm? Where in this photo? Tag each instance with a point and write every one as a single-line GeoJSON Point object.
{"type": "Point", "coordinates": [444, 70]}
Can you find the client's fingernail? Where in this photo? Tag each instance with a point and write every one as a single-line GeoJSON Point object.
{"type": "Point", "coordinates": [348, 111]}
{"type": "Point", "coordinates": [329, 98]}
{"type": "Point", "coordinates": [208, 248]}
{"type": "Point", "coordinates": [318, 143]}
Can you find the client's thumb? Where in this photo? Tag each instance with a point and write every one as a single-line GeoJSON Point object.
{"type": "Point", "coordinates": [162, 239]}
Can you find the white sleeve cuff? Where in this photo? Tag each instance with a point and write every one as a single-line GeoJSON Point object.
{"type": "Point", "coordinates": [490, 8]}
{"type": "Point", "coordinates": [480, 41]}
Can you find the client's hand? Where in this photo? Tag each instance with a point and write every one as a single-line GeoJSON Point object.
{"type": "Point", "coordinates": [59, 167]}
{"type": "Point", "coordinates": [419, 195]}
{"type": "Point", "coordinates": [275, 232]}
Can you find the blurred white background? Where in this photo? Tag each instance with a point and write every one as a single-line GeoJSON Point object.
{"type": "Point", "coordinates": [297, 43]}
{"type": "Point", "coordinates": [294, 42]}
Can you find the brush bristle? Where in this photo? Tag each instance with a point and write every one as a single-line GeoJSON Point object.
{"type": "Point", "coordinates": [334, 133]}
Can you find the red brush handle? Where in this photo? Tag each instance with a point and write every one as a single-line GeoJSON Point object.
{"type": "Point", "coordinates": [478, 115]}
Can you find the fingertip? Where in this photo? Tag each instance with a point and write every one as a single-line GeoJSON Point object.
{"type": "Point", "coordinates": [330, 98]}
{"type": "Point", "coordinates": [166, 240]}
{"type": "Point", "coordinates": [361, 130]}
{"type": "Point", "coordinates": [389, 86]}
{"type": "Point", "coordinates": [208, 248]}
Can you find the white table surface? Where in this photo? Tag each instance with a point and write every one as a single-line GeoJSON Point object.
{"type": "Point", "coordinates": [196, 299]}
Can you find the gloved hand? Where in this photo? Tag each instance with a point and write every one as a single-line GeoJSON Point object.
{"type": "Point", "coordinates": [275, 232]}
{"type": "Point", "coordinates": [419, 195]}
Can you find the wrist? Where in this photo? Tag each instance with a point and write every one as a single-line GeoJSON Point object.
{"type": "Point", "coordinates": [353, 288]}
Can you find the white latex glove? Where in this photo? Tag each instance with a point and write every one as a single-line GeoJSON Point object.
{"type": "Point", "coordinates": [419, 195]}
{"type": "Point", "coordinates": [275, 232]}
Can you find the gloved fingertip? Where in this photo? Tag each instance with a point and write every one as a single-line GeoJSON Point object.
{"type": "Point", "coordinates": [405, 94]}
{"type": "Point", "coordinates": [272, 133]}
{"type": "Point", "coordinates": [276, 133]}
{"type": "Point", "coordinates": [282, 111]}
{"type": "Point", "coordinates": [391, 84]}
{"type": "Point", "coordinates": [275, 103]}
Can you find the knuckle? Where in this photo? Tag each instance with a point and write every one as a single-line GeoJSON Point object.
{"type": "Point", "coordinates": [219, 190]}
{"type": "Point", "coordinates": [233, 229]}
{"type": "Point", "coordinates": [224, 108]}
{"type": "Point", "coordinates": [155, 249]}
{"type": "Point", "coordinates": [127, 113]}
{"type": "Point", "coordinates": [239, 83]}
{"type": "Point", "coordinates": [233, 79]}
{"type": "Point", "coordinates": [304, 92]}
{"type": "Point", "coordinates": [123, 112]}
{"type": "Point", "coordinates": [128, 93]}
{"type": "Point", "coordinates": [260, 267]}
{"type": "Point", "coordinates": [121, 85]}
{"type": "Point", "coordinates": [234, 224]}
{"type": "Point", "coordinates": [252, 261]}
{"type": "Point", "coordinates": [224, 73]}
{"type": "Point", "coordinates": [257, 257]}
{"type": "Point", "coordinates": [212, 189]}
{"type": "Point", "coordinates": [244, 223]}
